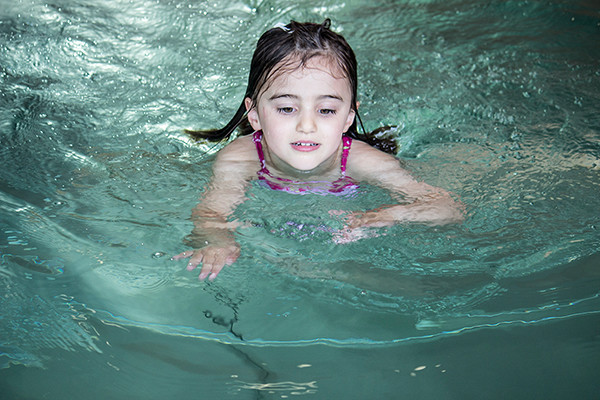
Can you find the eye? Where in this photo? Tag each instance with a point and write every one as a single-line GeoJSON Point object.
{"type": "Point", "coordinates": [285, 110]}
{"type": "Point", "coordinates": [327, 111]}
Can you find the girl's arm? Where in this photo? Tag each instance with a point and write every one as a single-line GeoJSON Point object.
{"type": "Point", "coordinates": [212, 237]}
{"type": "Point", "coordinates": [417, 201]}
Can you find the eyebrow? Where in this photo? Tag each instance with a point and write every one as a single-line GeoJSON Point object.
{"type": "Point", "coordinates": [293, 96]}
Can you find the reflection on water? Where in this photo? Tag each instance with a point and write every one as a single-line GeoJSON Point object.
{"type": "Point", "coordinates": [496, 102]}
{"type": "Point", "coordinates": [289, 388]}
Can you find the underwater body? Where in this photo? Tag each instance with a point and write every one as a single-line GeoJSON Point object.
{"type": "Point", "coordinates": [496, 102]}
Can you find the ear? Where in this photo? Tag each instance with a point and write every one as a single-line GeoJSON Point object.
{"type": "Point", "coordinates": [350, 119]}
{"type": "Point", "coordinates": [252, 114]}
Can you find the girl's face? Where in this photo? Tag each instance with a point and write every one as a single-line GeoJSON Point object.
{"type": "Point", "coordinates": [303, 115]}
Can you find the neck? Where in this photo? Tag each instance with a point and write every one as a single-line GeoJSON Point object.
{"type": "Point", "coordinates": [327, 170]}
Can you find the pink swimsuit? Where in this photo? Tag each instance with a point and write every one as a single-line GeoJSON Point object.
{"type": "Point", "coordinates": [344, 185]}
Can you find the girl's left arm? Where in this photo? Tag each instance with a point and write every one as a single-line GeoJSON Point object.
{"type": "Point", "coordinates": [418, 202]}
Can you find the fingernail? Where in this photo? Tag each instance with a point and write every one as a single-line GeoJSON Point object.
{"type": "Point", "coordinates": [212, 276]}
{"type": "Point", "coordinates": [202, 276]}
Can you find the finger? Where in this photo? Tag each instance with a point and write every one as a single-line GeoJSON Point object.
{"type": "Point", "coordinates": [341, 236]}
{"type": "Point", "coordinates": [212, 265]}
{"type": "Point", "coordinates": [215, 271]}
{"type": "Point", "coordinates": [220, 262]}
{"type": "Point", "coordinates": [334, 213]}
{"type": "Point", "coordinates": [207, 266]}
{"type": "Point", "coordinates": [206, 271]}
{"type": "Point", "coordinates": [233, 256]}
{"type": "Point", "coordinates": [353, 221]}
{"type": "Point", "coordinates": [194, 261]}
{"type": "Point", "coordinates": [185, 254]}
{"type": "Point", "coordinates": [231, 259]}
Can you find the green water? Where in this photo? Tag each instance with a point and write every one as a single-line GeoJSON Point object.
{"type": "Point", "coordinates": [496, 102]}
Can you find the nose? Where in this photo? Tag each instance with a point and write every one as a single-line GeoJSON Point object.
{"type": "Point", "coordinates": [306, 123]}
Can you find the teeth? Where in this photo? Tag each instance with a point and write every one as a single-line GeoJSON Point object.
{"type": "Point", "coordinates": [305, 144]}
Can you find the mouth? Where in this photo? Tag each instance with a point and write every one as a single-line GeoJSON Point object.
{"type": "Point", "coordinates": [305, 146]}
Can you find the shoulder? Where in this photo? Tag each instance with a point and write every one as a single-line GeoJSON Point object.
{"type": "Point", "coordinates": [360, 149]}
{"type": "Point", "coordinates": [370, 164]}
{"type": "Point", "coordinates": [241, 149]}
{"type": "Point", "coordinates": [238, 157]}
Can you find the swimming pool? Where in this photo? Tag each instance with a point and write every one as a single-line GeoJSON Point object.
{"type": "Point", "coordinates": [497, 102]}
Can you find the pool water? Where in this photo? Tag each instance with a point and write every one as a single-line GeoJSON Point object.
{"type": "Point", "coordinates": [494, 101]}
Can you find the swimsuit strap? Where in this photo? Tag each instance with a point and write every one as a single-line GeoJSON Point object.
{"type": "Point", "coordinates": [257, 139]}
{"type": "Point", "coordinates": [347, 143]}
{"type": "Point", "coordinates": [341, 185]}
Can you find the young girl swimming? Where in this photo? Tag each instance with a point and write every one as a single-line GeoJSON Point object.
{"type": "Point", "coordinates": [302, 110]}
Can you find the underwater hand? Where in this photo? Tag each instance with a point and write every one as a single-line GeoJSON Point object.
{"type": "Point", "coordinates": [358, 226]}
{"type": "Point", "coordinates": [212, 257]}
{"type": "Point", "coordinates": [373, 219]}
{"type": "Point", "coordinates": [349, 235]}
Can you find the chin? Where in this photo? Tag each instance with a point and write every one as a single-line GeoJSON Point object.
{"type": "Point", "coordinates": [304, 168]}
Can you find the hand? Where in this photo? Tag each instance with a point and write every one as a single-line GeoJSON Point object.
{"type": "Point", "coordinates": [358, 224]}
{"type": "Point", "coordinates": [348, 235]}
{"type": "Point", "coordinates": [213, 259]}
{"type": "Point", "coordinates": [376, 218]}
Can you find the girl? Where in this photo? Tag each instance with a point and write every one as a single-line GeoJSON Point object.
{"type": "Point", "coordinates": [301, 106]}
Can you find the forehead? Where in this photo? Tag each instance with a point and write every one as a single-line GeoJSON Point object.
{"type": "Point", "coordinates": [294, 72]}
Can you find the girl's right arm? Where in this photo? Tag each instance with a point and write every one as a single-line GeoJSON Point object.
{"type": "Point", "coordinates": [212, 237]}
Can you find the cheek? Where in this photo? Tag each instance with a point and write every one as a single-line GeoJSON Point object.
{"type": "Point", "coordinates": [265, 116]}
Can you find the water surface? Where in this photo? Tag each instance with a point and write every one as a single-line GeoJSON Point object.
{"type": "Point", "coordinates": [495, 102]}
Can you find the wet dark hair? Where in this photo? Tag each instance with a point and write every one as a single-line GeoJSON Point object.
{"type": "Point", "coordinates": [290, 47]}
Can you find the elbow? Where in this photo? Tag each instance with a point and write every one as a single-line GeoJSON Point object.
{"type": "Point", "coordinates": [457, 217]}
{"type": "Point", "coordinates": [449, 211]}
{"type": "Point", "coordinates": [455, 212]}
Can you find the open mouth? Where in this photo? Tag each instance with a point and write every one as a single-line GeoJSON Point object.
{"type": "Point", "coordinates": [303, 144]}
